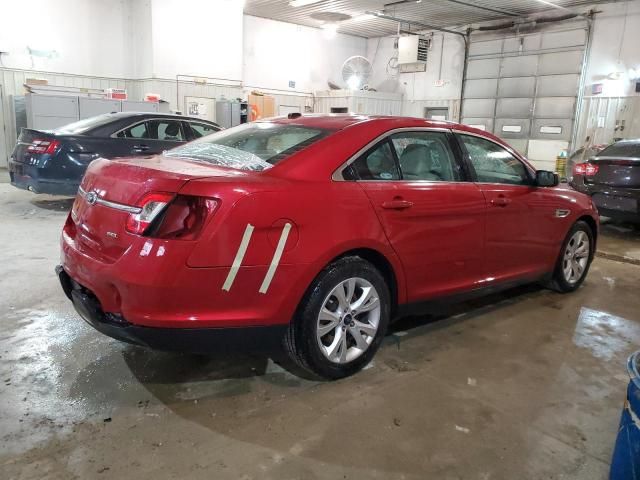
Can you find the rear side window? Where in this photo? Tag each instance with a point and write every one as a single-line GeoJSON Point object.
{"type": "Point", "coordinates": [426, 156]}
{"type": "Point", "coordinates": [166, 130]}
{"type": "Point", "coordinates": [621, 149]}
{"type": "Point", "coordinates": [377, 164]}
{"type": "Point", "coordinates": [494, 164]}
{"type": "Point", "coordinates": [136, 131]}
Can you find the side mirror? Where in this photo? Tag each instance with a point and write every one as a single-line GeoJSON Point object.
{"type": "Point", "coordinates": [545, 178]}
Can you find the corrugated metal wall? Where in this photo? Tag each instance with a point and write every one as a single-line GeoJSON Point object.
{"type": "Point", "coordinates": [603, 119]}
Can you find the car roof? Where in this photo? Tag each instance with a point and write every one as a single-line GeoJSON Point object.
{"type": "Point", "coordinates": [338, 121]}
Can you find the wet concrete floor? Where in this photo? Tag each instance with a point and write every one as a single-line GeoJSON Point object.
{"type": "Point", "coordinates": [528, 384]}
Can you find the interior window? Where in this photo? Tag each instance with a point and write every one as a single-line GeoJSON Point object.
{"type": "Point", "coordinates": [426, 156]}
{"type": "Point", "coordinates": [136, 131]}
{"type": "Point", "coordinates": [166, 130]}
{"type": "Point", "coordinates": [493, 164]}
{"type": "Point", "coordinates": [377, 164]}
{"type": "Point", "coordinates": [202, 129]}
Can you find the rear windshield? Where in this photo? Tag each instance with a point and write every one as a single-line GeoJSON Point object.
{"type": "Point", "coordinates": [252, 146]}
{"type": "Point", "coordinates": [622, 149]}
{"type": "Point", "coordinates": [85, 125]}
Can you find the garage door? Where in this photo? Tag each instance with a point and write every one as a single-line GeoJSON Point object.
{"type": "Point", "coordinates": [524, 89]}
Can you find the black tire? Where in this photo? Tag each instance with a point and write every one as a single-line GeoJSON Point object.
{"type": "Point", "coordinates": [300, 341]}
{"type": "Point", "coordinates": [558, 282]}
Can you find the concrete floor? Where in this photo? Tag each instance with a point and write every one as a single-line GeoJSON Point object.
{"type": "Point", "coordinates": [523, 385]}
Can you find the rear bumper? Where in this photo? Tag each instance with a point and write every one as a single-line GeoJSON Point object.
{"type": "Point", "coordinates": [611, 206]}
{"type": "Point", "coordinates": [195, 340]}
{"type": "Point", "coordinates": [33, 178]}
{"type": "Point", "coordinates": [150, 285]}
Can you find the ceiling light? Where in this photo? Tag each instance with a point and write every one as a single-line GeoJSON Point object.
{"type": "Point", "coordinates": [363, 17]}
{"type": "Point", "coordinates": [302, 3]}
{"type": "Point", "coordinates": [551, 4]}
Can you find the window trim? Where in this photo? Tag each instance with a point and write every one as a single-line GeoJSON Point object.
{"type": "Point", "coordinates": [189, 124]}
{"type": "Point", "coordinates": [464, 171]}
{"type": "Point", "coordinates": [472, 171]}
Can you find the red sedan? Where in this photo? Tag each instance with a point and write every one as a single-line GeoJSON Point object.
{"type": "Point", "coordinates": [317, 229]}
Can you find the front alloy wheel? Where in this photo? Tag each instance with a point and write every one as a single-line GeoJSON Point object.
{"type": "Point", "coordinates": [576, 257]}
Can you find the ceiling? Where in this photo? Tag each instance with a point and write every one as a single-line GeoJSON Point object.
{"type": "Point", "coordinates": [441, 13]}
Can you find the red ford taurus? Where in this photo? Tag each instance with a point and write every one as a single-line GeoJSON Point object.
{"type": "Point", "coordinates": [317, 229]}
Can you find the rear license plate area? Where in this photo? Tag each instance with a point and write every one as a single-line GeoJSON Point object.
{"type": "Point", "coordinates": [612, 202]}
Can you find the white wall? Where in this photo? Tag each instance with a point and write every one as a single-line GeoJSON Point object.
{"type": "Point", "coordinates": [609, 31]}
{"type": "Point", "coordinates": [198, 37]}
{"type": "Point", "coordinates": [88, 36]}
{"type": "Point", "coordinates": [277, 52]}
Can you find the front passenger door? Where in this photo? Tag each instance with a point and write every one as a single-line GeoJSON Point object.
{"type": "Point", "coordinates": [433, 218]}
{"type": "Point", "coordinates": [520, 236]}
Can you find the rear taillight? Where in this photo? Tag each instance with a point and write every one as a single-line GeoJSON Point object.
{"type": "Point", "coordinates": [184, 218]}
{"type": "Point", "coordinates": [40, 145]}
{"type": "Point", "coordinates": [586, 169]}
{"type": "Point", "coordinates": [151, 205]}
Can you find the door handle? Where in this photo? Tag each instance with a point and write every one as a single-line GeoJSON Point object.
{"type": "Point", "coordinates": [397, 204]}
{"type": "Point", "coordinates": [140, 148]}
{"type": "Point", "coordinates": [500, 201]}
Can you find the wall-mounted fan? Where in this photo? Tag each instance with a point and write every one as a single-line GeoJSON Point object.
{"type": "Point", "coordinates": [356, 72]}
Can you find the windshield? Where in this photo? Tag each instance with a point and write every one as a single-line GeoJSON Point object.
{"type": "Point", "coordinates": [252, 146]}
{"type": "Point", "coordinates": [622, 149]}
{"type": "Point", "coordinates": [85, 125]}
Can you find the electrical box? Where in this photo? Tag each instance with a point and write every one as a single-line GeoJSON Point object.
{"type": "Point", "coordinates": [413, 49]}
{"type": "Point", "coordinates": [47, 112]}
{"type": "Point", "coordinates": [228, 113]}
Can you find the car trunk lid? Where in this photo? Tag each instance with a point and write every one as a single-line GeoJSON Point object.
{"type": "Point", "coordinates": [111, 191]}
{"type": "Point", "coordinates": [615, 172]}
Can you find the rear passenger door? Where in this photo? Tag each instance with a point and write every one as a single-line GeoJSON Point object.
{"type": "Point", "coordinates": [149, 137]}
{"type": "Point", "coordinates": [433, 217]}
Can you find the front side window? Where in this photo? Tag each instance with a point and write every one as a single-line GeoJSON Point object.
{"type": "Point", "coordinates": [202, 129]}
{"type": "Point", "coordinates": [136, 131]}
{"type": "Point", "coordinates": [426, 156]}
{"type": "Point", "coordinates": [251, 146]}
{"type": "Point", "coordinates": [494, 164]}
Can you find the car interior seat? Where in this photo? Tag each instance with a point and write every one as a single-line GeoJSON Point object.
{"type": "Point", "coordinates": [172, 132]}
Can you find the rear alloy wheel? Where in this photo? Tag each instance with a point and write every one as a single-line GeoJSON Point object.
{"type": "Point", "coordinates": [575, 258]}
{"type": "Point", "coordinates": [348, 321]}
{"type": "Point", "coordinates": [341, 320]}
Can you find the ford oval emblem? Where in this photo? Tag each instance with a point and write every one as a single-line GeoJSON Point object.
{"type": "Point", "coordinates": [92, 197]}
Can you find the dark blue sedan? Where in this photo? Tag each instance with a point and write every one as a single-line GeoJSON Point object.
{"type": "Point", "coordinates": [54, 161]}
